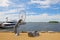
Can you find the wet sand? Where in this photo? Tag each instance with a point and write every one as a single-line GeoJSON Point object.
{"type": "Point", "coordinates": [24, 36]}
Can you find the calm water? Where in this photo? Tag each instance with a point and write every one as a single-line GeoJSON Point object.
{"type": "Point", "coordinates": [39, 26]}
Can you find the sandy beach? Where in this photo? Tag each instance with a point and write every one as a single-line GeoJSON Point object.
{"type": "Point", "coordinates": [24, 36]}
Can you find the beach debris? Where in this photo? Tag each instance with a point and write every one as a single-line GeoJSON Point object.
{"type": "Point", "coordinates": [33, 34]}
{"type": "Point", "coordinates": [50, 31]}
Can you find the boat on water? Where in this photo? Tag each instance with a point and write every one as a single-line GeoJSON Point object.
{"type": "Point", "coordinates": [8, 24]}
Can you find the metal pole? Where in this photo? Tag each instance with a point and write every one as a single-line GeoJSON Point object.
{"type": "Point", "coordinates": [6, 19]}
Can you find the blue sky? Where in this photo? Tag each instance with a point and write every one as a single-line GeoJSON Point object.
{"type": "Point", "coordinates": [36, 10]}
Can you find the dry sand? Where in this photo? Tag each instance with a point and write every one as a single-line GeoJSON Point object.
{"type": "Point", "coordinates": [24, 36]}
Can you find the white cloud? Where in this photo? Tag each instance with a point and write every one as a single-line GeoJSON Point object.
{"type": "Point", "coordinates": [9, 14]}
{"type": "Point", "coordinates": [45, 3]}
{"type": "Point", "coordinates": [8, 11]}
{"type": "Point", "coordinates": [42, 18]}
{"type": "Point", "coordinates": [4, 14]}
{"type": "Point", "coordinates": [10, 17]}
{"type": "Point", "coordinates": [17, 5]}
{"type": "Point", "coordinates": [11, 11]}
{"type": "Point", "coordinates": [55, 1]}
{"type": "Point", "coordinates": [4, 3]}
{"type": "Point", "coordinates": [32, 18]}
{"type": "Point", "coordinates": [32, 13]}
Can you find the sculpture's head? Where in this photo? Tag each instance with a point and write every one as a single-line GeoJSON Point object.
{"type": "Point", "coordinates": [20, 20]}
